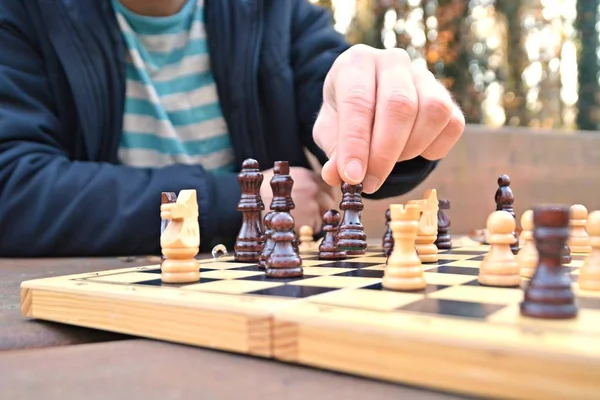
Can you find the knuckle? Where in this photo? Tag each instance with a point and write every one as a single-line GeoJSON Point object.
{"type": "Point", "coordinates": [358, 101]}
{"type": "Point", "coordinates": [399, 54]}
{"type": "Point", "coordinates": [402, 105]}
{"type": "Point", "coordinates": [437, 109]}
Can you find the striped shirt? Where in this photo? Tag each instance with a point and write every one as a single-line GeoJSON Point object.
{"type": "Point", "coordinates": [172, 111]}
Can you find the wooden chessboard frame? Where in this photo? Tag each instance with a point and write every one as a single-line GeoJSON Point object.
{"type": "Point", "coordinates": [351, 329]}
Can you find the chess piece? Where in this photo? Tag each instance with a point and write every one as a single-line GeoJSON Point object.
{"type": "Point", "coordinates": [387, 242]}
{"type": "Point", "coordinates": [549, 293]}
{"type": "Point", "coordinates": [579, 241]}
{"type": "Point", "coordinates": [528, 256]}
{"type": "Point", "coordinates": [499, 267]}
{"type": "Point", "coordinates": [351, 236]}
{"type": "Point", "coordinates": [268, 241]}
{"type": "Point", "coordinates": [328, 249]}
{"type": "Point", "coordinates": [165, 198]}
{"type": "Point", "coordinates": [306, 238]}
{"type": "Point", "coordinates": [443, 240]}
{"type": "Point", "coordinates": [427, 233]}
{"type": "Point", "coordinates": [249, 242]}
{"type": "Point", "coordinates": [504, 201]}
{"type": "Point", "coordinates": [565, 255]}
{"type": "Point", "coordinates": [404, 271]}
{"type": "Point", "coordinates": [589, 274]}
{"type": "Point", "coordinates": [180, 241]}
{"type": "Point", "coordinates": [283, 262]}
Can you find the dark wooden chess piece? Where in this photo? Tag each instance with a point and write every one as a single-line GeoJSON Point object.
{"type": "Point", "coordinates": [165, 198]}
{"type": "Point", "coordinates": [549, 293]}
{"type": "Point", "coordinates": [268, 240]}
{"type": "Point", "coordinates": [281, 185]}
{"type": "Point", "coordinates": [443, 241]}
{"type": "Point", "coordinates": [387, 242]}
{"type": "Point", "coordinates": [328, 249]}
{"type": "Point", "coordinates": [505, 200]}
{"type": "Point", "coordinates": [565, 256]}
{"type": "Point", "coordinates": [283, 262]}
{"type": "Point", "coordinates": [351, 235]}
{"type": "Point", "coordinates": [249, 242]}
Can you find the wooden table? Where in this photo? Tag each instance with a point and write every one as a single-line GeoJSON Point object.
{"type": "Point", "coordinates": [53, 361]}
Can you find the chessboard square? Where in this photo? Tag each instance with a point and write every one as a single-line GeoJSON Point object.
{"type": "Point", "coordinates": [293, 291]}
{"type": "Point", "coordinates": [262, 277]}
{"type": "Point", "coordinates": [349, 264]}
{"type": "Point", "coordinates": [368, 260]}
{"type": "Point", "coordinates": [453, 308]}
{"type": "Point", "coordinates": [575, 263]}
{"type": "Point", "coordinates": [480, 294]}
{"type": "Point", "coordinates": [159, 282]}
{"type": "Point", "coordinates": [464, 264]}
{"type": "Point", "coordinates": [446, 279]}
{"type": "Point", "coordinates": [335, 281]}
{"type": "Point", "coordinates": [230, 274]}
{"type": "Point", "coordinates": [314, 262]}
{"type": "Point", "coordinates": [380, 267]}
{"type": "Point", "coordinates": [438, 262]}
{"type": "Point", "coordinates": [363, 273]}
{"type": "Point", "coordinates": [231, 286]}
{"type": "Point", "coordinates": [318, 271]}
{"type": "Point", "coordinates": [456, 270]}
{"type": "Point", "coordinates": [124, 277]}
{"type": "Point", "coordinates": [454, 257]}
{"type": "Point", "coordinates": [428, 288]}
{"type": "Point", "coordinates": [224, 264]}
{"type": "Point", "coordinates": [367, 299]}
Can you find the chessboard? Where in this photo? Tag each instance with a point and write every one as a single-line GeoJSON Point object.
{"type": "Point", "coordinates": [454, 334]}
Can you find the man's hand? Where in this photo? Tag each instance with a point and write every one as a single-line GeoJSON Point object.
{"type": "Point", "coordinates": [380, 109]}
{"type": "Point", "coordinates": [312, 197]}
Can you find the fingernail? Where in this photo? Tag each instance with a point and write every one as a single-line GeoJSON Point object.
{"type": "Point", "coordinates": [370, 184]}
{"type": "Point", "coordinates": [353, 171]}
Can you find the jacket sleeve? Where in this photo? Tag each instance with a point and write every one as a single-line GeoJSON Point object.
{"type": "Point", "coordinates": [51, 205]}
{"type": "Point", "coordinates": [316, 45]}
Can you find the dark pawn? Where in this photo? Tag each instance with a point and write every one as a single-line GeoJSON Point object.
{"type": "Point", "coordinates": [388, 240]}
{"type": "Point", "coordinates": [549, 293]}
{"type": "Point", "coordinates": [165, 198]}
{"type": "Point", "coordinates": [328, 249]}
{"type": "Point", "coordinates": [283, 262]}
{"type": "Point", "coordinates": [281, 185]}
{"type": "Point", "coordinates": [565, 256]}
{"type": "Point", "coordinates": [249, 242]}
{"type": "Point", "coordinates": [505, 200]}
{"type": "Point", "coordinates": [443, 241]}
{"type": "Point", "coordinates": [351, 236]}
{"type": "Point", "coordinates": [268, 241]}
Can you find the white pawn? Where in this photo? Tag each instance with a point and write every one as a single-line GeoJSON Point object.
{"type": "Point", "coordinates": [528, 255]}
{"type": "Point", "coordinates": [579, 241]}
{"type": "Point", "coordinates": [306, 238]}
{"type": "Point", "coordinates": [404, 270]}
{"type": "Point", "coordinates": [589, 274]}
{"type": "Point", "coordinates": [499, 266]}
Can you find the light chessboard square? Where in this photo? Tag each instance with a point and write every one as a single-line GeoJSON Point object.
{"type": "Point", "coordinates": [229, 274]}
{"type": "Point", "coordinates": [336, 281]}
{"type": "Point", "coordinates": [377, 300]}
{"type": "Point", "coordinates": [232, 286]}
{"type": "Point", "coordinates": [126, 277]}
{"type": "Point", "coordinates": [480, 294]}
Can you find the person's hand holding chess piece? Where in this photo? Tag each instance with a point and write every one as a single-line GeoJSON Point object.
{"type": "Point", "coordinates": [312, 196]}
{"type": "Point", "coordinates": [380, 108]}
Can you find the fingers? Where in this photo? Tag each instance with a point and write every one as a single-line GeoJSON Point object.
{"type": "Point", "coordinates": [325, 136]}
{"type": "Point", "coordinates": [354, 91]}
{"type": "Point", "coordinates": [396, 112]}
{"type": "Point", "coordinates": [435, 109]}
{"type": "Point", "coordinates": [452, 132]}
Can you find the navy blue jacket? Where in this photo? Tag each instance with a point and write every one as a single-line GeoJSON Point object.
{"type": "Point", "coordinates": [62, 88]}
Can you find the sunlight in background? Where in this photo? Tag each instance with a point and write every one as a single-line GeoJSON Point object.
{"type": "Point", "coordinates": [515, 62]}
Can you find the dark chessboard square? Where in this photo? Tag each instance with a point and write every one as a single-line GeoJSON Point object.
{"type": "Point", "coordinates": [452, 308]}
{"type": "Point", "coordinates": [347, 264]}
{"type": "Point", "coordinates": [264, 278]}
{"type": "Point", "coordinates": [294, 291]}
{"type": "Point", "coordinates": [363, 273]}
{"type": "Point", "coordinates": [478, 258]}
{"type": "Point", "coordinates": [445, 269]}
{"type": "Point", "coordinates": [158, 282]}
{"type": "Point", "coordinates": [253, 267]}
{"type": "Point", "coordinates": [150, 271]}
{"type": "Point", "coordinates": [428, 289]}
{"type": "Point", "coordinates": [592, 303]}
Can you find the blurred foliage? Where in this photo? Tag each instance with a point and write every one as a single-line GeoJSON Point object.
{"type": "Point", "coordinates": [533, 63]}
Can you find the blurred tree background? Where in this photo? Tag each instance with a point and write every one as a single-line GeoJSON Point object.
{"type": "Point", "coordinates": [533, 63]}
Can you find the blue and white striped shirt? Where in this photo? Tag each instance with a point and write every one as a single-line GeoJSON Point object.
{"type": "Point", "coordinates": [172, 111]}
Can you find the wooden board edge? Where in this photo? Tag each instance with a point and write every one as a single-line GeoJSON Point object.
{"type": "Point", "coordinates": [438, 363]}
{"type": "Point", "coordinates": [235, 331]}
